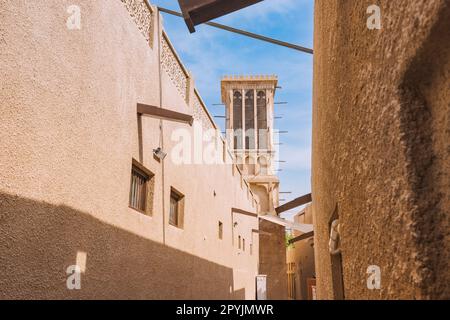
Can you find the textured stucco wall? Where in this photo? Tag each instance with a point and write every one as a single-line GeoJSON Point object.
{"type": "Point", "coordinates": [302, 253]}
{"type": "Point", "coordinates": [272, 255]}
{"type": "Point", "coordinates": [68, 133]}
{"type": "Point", "coordinates": [381, 146]}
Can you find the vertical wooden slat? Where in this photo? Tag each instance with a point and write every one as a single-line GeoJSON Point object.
{"type": "Point", "coordinates": [141, 194]}
{"type": "Point", "coordinates": [172, 211]}
{"type": "Point", "coordinates": [138, 191]}
{"type": "Point", "coordinates": [136, 202]}
{"type": "Point", "coordinates": [133, 190]}
{"type": "Point", "coordinates": [141, 186]}
{"type": "Point", "coordinates": [144, 194]}
{"type": "Point", "coordinates": [136, 194]}
{"type": "Point", "coordinates": [176, 211]}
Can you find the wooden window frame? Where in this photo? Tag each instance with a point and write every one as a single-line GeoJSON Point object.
{"type": "Point", "coordinates": [262, 120]}
{"type": "Point", "coordinates": [179, 198]}
{"type": "Point", "coordinates": [138, 169]}
{"type": "Point", "coordinates": [249, 122]}
{"type": "Point", "coordinates": [220, 230]}
{"type": "Point", "coordinates": [238, 121]}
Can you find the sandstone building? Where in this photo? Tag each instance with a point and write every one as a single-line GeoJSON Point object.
{"type": "Point", "coordinates": [91, 116]}
{"type": "Point", "coordinates": [250, 113]}
{"type": "Point", "coordinates": [300, 259]}
{"type": "Point", "coordinates": [381, 148]}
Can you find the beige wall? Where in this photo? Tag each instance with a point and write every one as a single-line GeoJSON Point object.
{"type": "Point", "coordinates": [302, 254]}
{"type": "Point", "coordinates": [381, 146]}
{"type": "Point", "coordinates": [68, 133]}
{"type": "Point", "coordinates": [272, 255]}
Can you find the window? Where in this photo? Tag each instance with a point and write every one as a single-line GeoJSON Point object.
{"type": "Point", "coordinates": [239, 243]}
{"type": "Point", "coordinates": [220, 230]}
{"type": "Point", "coordinates": [176, 208]}
{"type": "Point", "coordinates": [141, 188]}
{"type": "Point", "coordinates": [243, 244]}
{"type": "Point", "coordinates": [262, 120]}
{"type": "Point", "coordinates": [237, 119]}
{"type": "Point", "coordinates": [224, 152]}
{"type": "Point", "coordinates": [250, 120]}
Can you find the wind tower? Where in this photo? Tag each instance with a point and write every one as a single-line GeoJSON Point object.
{"type": "Point", "coordinates": [249, 102]}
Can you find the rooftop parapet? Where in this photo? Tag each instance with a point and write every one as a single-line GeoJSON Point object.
{"type": "Point", "coordinates": [249, 78]}
{"type": "Point", "coordinates": [237, 82]}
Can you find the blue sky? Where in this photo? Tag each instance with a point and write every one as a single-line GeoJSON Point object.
{"type": "Point", "coordinates": [211, 53]}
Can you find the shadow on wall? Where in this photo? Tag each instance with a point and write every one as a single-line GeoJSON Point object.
{"type": "Point", "coordinates": [38, 241]}
{"type": "Point", "coordinates": [272, 258]}
{"type": "Point", "coordinates": [425, 124]}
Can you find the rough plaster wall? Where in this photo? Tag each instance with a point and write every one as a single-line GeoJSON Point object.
{"type": "Point", "coordinates": [40, 240]}
{"type": "Point", "coordinates": [381, 146]}
{"type": "Point", "coordinates": [263, 197]}
{"type": "Point", "coordinates": [303, 253]}
{"type": "Point", "coordinates": [272, 259]}
{"type": "Point", "coordinates": [68, 133]}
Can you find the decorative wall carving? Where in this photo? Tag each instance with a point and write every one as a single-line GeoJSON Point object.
{"type": "Point", "coordinates": [172, 66]}
{"type": "Point", "coordinates": [142, 15]}
{"type": "Point", "coordinates": [200, 114]}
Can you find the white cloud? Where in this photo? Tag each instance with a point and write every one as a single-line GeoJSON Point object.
{"type": "Point", "coordinates": [211, 53]}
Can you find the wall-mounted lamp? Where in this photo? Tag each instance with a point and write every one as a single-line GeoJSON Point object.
{"type": "Point", "coordinates": [159, 154]}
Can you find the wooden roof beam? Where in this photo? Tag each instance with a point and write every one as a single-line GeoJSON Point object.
{"type": "Point", "coordinates": [294, 203]}
{"type": "Point", "coordinates": [196, 12]}
{"type": "Point", "coordinates": [302, 237]}
{"type": "Point", "coordinates": [165, 114]}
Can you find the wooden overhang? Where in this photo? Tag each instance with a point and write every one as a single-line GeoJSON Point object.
{"type": "Point", "coordinates": [260, 232]}
{"type": "Point", "coordinates": [294, 203]}
{"type": "Point", "coordinates": [302, 227]}
{"type": "Point", "coordinates": [302, 237]}
{"type": "Point", "coordinates": [196, 12]}
{"type": "Point", "coordinates": [162, 113]}
{"type": "Point", "coordinates": [244, 212]}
